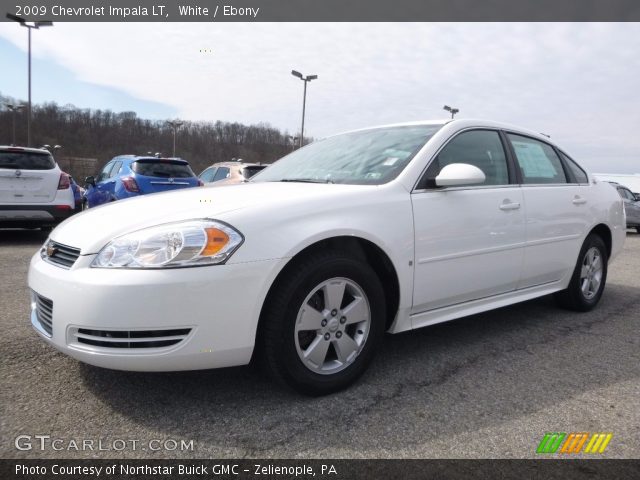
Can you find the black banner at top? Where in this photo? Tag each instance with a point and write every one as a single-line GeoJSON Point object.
{"type": "Point", "coordinates": [323, 10]}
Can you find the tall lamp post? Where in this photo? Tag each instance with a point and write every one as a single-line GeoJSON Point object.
{"type": "Point", "coordinates": [14, 108]}
{"type": "Point", "coordinates": [30, 26]}
{"type": "Point", "coordinates": [452, 110]}
{"type": "Point", "coordinates": [306, 80]}
{"type": "Point", "coordinates": [175, 124]}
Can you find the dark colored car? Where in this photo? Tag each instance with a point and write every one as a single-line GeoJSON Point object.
{"type": "Point", "coordinates": [130, 175]}
{"type": "Point", "coordinates": [229, 173]}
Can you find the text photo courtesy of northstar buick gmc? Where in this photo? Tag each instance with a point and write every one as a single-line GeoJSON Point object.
{"type": "Point", "coordinates": [304, 267]}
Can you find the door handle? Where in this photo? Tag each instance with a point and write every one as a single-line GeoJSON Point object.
{"type": "Point", "coordinates": [507, 205]}
{"type": "Point", "coordinates": [577, 200]}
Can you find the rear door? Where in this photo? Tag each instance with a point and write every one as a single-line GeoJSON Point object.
{"type": "Point", "coordinates": [160, 174]}
{"type": "Point", "coordinates": [556, 210]}
{"type": "Point", "coordinates": [27, 177]}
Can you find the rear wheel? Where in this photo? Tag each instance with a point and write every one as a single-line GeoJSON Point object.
{"type": "Point", "coordinates": [638, 229]}
{"type": "Point", "coordinates": [589, 277]}
{"type": "Point", "coordinates": [323, 323]}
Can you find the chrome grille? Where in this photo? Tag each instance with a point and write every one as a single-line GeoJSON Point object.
{"type": "Point", "coordinates": [127, 339]}
{"type": "Point", "coordinates": [44, 313]}
{"type": "Point", "coordinates": [59, 254]}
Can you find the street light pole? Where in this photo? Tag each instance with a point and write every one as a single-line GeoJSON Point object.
{"type": "Point", "coordinates": [306, 80]}
{"type": "Point", "coordinates": [14, 108]}
{"type": "Point", "coordinates": [29, 26]}
{"type": "Point", "coordinates": [175, 124]}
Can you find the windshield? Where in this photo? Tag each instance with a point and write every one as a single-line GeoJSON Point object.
{"type": "Point", "coordinates": [26, 161]}
{"type": "Point", "coordinates": [369, 157]}
{"type": "Point", "coordinates": [162, 168]}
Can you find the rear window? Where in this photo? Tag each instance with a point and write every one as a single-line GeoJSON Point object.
{"type": "Point", "coordinates": [248, 172]}
{"type": "Point", "coordinates": [26, 161]}
{"type": "Point", "coordinates": [162, 168]}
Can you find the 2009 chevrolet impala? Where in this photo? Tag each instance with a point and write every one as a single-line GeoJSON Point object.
{"type": "Point", "coordinates": [304, 268]}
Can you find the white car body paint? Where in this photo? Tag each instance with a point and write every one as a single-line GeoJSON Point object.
{"type": "Point", "coordinates": [456, 251]}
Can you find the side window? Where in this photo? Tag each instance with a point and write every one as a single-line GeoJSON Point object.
{"type": "Point", "coordinates": [538, 161]}
{"type": "Point", "coordinates": [105, 172]}
{"type": "Point", "coordinates": [480, 148]}
{"type": "Point", "coordinates": [578, 173]}
{"type": "Point", "coordinates": [221, 174]}
{"type": "Point", "coordinates": [115, 170]}
{"type": "Point", "coordinates": [208, 174]}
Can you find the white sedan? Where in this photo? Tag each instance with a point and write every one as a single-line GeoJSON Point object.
{"type": "Point", "coordinates": [305, 267]}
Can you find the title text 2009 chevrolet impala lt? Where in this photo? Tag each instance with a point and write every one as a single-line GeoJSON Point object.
{"type": "Point", "coordinates": [306, 266]}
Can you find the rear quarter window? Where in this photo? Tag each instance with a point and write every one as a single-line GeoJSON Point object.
{"type": "Point", "coordinates": [163, 169]}
{"type": "Point", "coordinates": [578, 174]}
{"type": "Point", "coordinates": [248, 172]}
{"type": "Point", "coordinates": [26, 161]}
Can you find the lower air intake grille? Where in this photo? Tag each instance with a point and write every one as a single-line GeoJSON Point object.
{"type": "Point", "coordinates": [127, 339]}
{"type": "Point", "coordinates": [44, 313]}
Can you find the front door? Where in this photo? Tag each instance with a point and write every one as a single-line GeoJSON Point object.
{"type": "Point", "coordinates": [468, 240]}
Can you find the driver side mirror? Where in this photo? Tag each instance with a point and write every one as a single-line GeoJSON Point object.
{"type": "Point", "coordinates": [457, 174]}
{"type": "Point", "coordinates": [90, 180]}
{"type": "Point", "coordinates": [637, 197]}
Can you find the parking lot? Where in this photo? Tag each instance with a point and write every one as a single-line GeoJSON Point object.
{"type": "Point", "coordinates": [486, 386]}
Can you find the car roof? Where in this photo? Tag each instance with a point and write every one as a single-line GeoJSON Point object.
{"type": "Point", "coordinates": [135, 158]}
{"type": "Point", "coordinates": [236, 164]}
{"type": "Point", "coordinates": [16, 148]}
{"type": "Point", "coordinates": [459, 124]}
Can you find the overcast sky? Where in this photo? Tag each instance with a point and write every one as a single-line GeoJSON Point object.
{"type": "Point", "coordinates": [580, 83]}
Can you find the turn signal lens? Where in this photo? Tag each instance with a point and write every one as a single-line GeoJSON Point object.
{"type": "Point", "coordinates": [216, 240]}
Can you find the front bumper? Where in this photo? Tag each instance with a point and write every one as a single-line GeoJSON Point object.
{"type": "Point", "coordinates": [213, 311]}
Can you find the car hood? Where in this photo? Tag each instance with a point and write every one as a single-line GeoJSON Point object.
{"type": "Point", "coordinates": [91, 230]}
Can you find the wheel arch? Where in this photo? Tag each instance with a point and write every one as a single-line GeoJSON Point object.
{"type": "Point", "coordinates": [604, 232]}
{"type": "Point", "coordinates": [362, 249]}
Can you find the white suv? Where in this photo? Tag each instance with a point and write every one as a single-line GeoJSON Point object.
{"type": "Point", "coordinates": [34, 192]}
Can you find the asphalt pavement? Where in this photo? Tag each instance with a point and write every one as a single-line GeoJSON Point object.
{"type": "Point", "coordinates": [486, 386]}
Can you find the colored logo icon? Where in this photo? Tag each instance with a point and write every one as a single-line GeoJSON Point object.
{"type": "Point", "coordinates": [574, 443]}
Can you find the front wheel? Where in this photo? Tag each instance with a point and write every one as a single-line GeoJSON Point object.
{"type": "Point", "coordinates": [323, 323]}
{"type": "Point", "coordinates": [589, 277]}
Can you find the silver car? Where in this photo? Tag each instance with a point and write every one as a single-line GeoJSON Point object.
{"type": "Point", "coordinates": [631, 206]}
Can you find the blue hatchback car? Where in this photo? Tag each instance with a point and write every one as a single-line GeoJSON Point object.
{"type": "Point", "coordinates": [130, 175]}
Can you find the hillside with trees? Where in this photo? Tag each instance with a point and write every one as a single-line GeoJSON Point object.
{"type": "Point", "coordinates": [103, 134]}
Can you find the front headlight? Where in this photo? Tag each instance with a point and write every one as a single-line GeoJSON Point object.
{"type": "Point", "coordinates": [181, 244]}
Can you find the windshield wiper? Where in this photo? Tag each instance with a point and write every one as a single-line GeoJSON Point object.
{"type": "Point", "coordinates": [303, 180]}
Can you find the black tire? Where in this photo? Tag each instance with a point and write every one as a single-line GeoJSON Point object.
{"type": "Point", "coordinates": [573, 298]}
{"type": "Point", "coordinates": [638, 229]}
{"type": "Point", "coordinates": [276, 342]}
